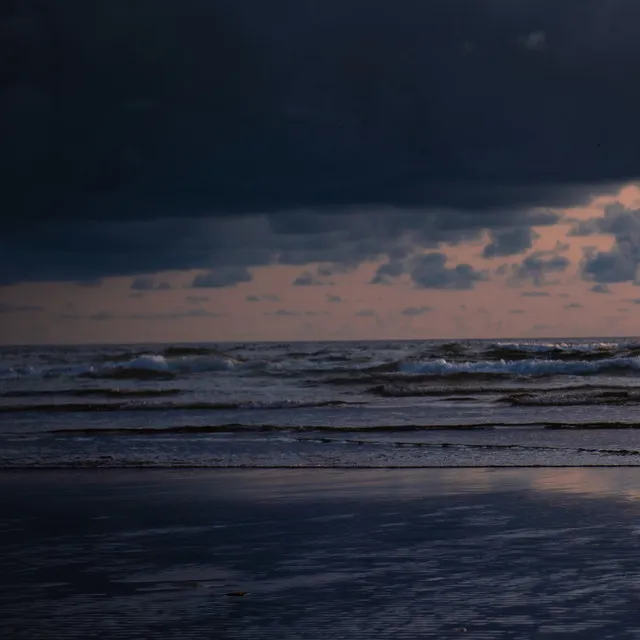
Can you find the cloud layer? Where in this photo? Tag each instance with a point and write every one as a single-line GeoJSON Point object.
{"type": "Point", "coordinates": [303, 132]}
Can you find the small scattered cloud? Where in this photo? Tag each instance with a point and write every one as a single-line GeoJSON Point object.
{"type": "Point", "coordinates": [366, 313]}
{"type": "Point", "coordinates": [563, 295]}
{"type": "Point", "coordinates": [328, 270]}
{"type": "Point", "coordinates": [102, 316]}
{"type": "Point", "coordinates": [516, 312]}
{"type": "Point", "coordinates": [535, 294]}
{"type": "Point", "coordinates": [429, 271]}
{"type": "Point", "coordinates": [284, 313]}
{"type": "Point", "coordinates": [190, 313]}
{"type": "Point", "coordinates": [264, 297]}
{"type": "Point", "coordinates": [388, 272]}
{"type": "Point", "coordinates": [19, 308]}
{"type": "Point", "coordinates": [537, 267]}
{"type": "Point", "coordinates": [622, 262]}
{"type": "Point", "coordinates": [573, 305]}
{"type": "Point", "coordinates": [416, 311]}
{"type": "Point", "coordinates": [196, 299]}
{"type": "Point", "coordinates": [600, 288]}
{"type": "Point", "coordinates": [334, 299]}
{"type": "Point", "coordinates": [222, 277]}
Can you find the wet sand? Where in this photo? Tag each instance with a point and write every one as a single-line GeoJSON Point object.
{"type": "Point", "coordinates": [234, 554]}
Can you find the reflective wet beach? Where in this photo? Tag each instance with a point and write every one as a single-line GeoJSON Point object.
{"type": "Point", "coordinates": [362, 553]}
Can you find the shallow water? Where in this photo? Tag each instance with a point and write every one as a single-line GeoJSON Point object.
{"type": "Point", "coordinates": [423, 403]}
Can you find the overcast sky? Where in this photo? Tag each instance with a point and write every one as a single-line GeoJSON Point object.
{"type": "Point", "coordinates": [319, 169]}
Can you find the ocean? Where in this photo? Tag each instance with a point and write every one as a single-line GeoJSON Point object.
{"type": "Point", "coordinates": [476, 403]}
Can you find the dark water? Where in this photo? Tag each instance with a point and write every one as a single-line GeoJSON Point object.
{"type": "Point", "coordinates": [460, 553]}
{"type": "Point", "coordinates": [421, 403]}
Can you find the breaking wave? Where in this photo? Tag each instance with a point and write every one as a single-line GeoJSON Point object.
{"type": "Point", "coordinates": [350, 366]}
{"type": "Point", "coordinates": [140, 367]}
{"type": "Point", "coordinates": [535, 367]}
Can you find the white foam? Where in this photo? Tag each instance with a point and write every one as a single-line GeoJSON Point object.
{"type": "Point", "coordinates": [542, 347]}
{"type": "Point", "coordinates": [185, 364]}
{"type": "Point", "coordinates": [540, 367]}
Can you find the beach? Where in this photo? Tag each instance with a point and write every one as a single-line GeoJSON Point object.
{"type": "Point", "coordinates": [412, 553]}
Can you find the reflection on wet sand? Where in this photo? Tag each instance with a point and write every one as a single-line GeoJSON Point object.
{"type": "Point", "coordinates": [361, 554]}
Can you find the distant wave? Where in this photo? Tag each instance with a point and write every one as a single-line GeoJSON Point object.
{"type": "Point", "coordinates": [91, 393]}
{"type": "Point", "coordinates": [552, 398]}
{"type": "Point", "coordinates": [160, 366]}
{"type": "Point", "coordinates": [546, 347]}
{"type": "Point", "coordinates": [397, 390]}
{"type": "Point", "coordinates": [140, 367]}
{"type": "Point", "coordinates": [562, 352]}
{"type": "Point", "coordinates": [159, 406]}
{"type": "Point", "coordinates": [239, 428]}
{"type": "Point", "coordinates": [535, 367]}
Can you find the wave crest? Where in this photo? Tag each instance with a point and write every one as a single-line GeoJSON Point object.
{"type": "Point", "coordinates": [536, 367]}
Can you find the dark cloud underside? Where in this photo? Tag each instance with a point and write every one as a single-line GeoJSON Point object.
{"type": "Point", "coordinates": [116, 115]}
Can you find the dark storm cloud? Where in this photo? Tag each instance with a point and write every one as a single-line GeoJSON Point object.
{"type": "Point", "coordinates": [621, 263]}
{"type": "Point", "coordinates": [386, 272]}
{"type": "Point", "coordinates": [54, 251]}
{"type": "Point", "coordinates": [508, 242]}
{"type": "Point", "coordinates": [470, 112]}
{"type": "Point", "coordinates": [537, 267]}
{"type": "Point", "coordinates": [430, 272]}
